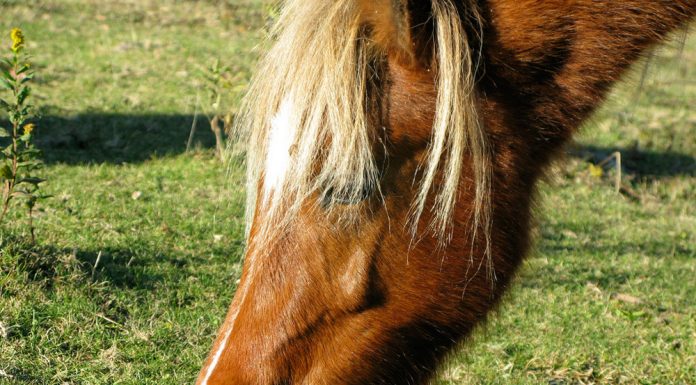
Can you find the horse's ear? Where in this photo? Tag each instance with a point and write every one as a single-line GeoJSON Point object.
{"type": "Point", "coordinates": [390, 27]}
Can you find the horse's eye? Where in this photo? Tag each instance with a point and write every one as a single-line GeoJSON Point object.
{"type": "Point", "coordinates": [332, 197]}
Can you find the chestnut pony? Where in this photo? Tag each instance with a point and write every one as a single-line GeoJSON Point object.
{"type": "Point", "coordinates": [393, 148]}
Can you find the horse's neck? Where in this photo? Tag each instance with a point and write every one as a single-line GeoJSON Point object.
{"type": "Point", "coordinates": [550, 63]}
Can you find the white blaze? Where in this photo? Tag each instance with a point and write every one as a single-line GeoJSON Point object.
{"type": "Point", "coordinates": [221, 349]}
{"type": "Point", "coordinates": [280, 139]}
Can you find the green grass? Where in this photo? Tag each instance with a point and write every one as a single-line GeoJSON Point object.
{"type": "Point", "coordinates": [117, 85]}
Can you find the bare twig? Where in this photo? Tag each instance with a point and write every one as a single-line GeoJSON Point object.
{"type": "Point", "coordinates": [193, 125]}
{"type": "Point", "coordinates": [109, 320]}
{"type": "Point", "coordinates": [616, 156]}
{"type": "Point", "coordinates": [617, 182]}
{"type": "Point", "coordinates": [219, 138]}
{"type": "Point", "coordinates": [96, 263]}
{"type": "Point", "coordinates": [643, 77]}
{"type": "Point", "coordinates": [682, 43]}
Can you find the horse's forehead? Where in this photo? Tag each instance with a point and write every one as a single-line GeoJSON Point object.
{"type": "Point", "coordinates": [280, 139]}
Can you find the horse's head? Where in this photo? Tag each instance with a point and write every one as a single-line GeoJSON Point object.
{"type": "Point", "coordinates": [392, 151]}
{"type": "Point", "coordinates": [356, 168]}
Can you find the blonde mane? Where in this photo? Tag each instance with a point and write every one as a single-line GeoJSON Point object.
{"type": "Point", "coordinates": [321, 75]}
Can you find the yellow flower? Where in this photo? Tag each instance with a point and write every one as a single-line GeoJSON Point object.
{"type": "Point", "coordinates": [17, 39]}
{"type": "Point", "coordinates": [28, 128]}
{"type": "Point", "coordinates": [596, 171]}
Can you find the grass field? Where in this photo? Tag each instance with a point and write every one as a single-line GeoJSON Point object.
{"type": "Point", "coordinates": [139, 250]}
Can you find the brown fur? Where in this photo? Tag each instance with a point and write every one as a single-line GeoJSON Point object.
{"type": "Point", "coordinates": [390, 27]}
{"type": "Point", "coordinates": [364, 304]}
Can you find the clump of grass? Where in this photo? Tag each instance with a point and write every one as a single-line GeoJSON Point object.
{"type": "Point", "coordinates": [219, 82]}
{"type": "Point", "coordinates": [19, 159]}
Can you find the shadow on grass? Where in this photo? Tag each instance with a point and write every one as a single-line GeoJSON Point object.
{"type": "Point", "coordinates": [69, 285]}
{"type": "Point", "coordinates": [124, 138]}
{"type": "Point", "coordinates": [120, 268]}
{"type": "Point", "coordinates": [643, 165]}
{"type": "Point", "coordinates": [117, 138]}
